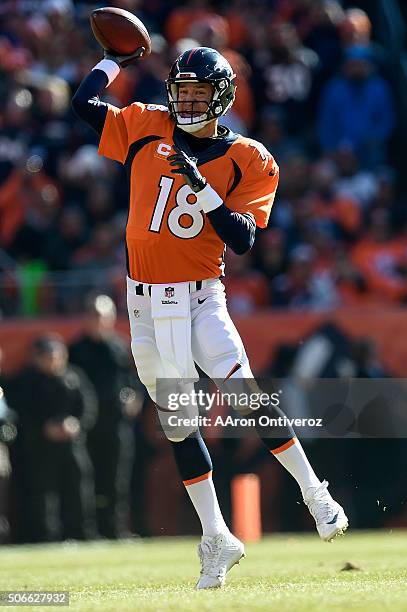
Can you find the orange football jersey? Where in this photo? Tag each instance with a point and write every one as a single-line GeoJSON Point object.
{"type": "Point", "coordinates": [168, 238]}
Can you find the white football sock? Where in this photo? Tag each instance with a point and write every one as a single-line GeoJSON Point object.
{"type": "Point", "coordinates": [203, 496]}
{"type": "Point", "coordinates": [291, 455]}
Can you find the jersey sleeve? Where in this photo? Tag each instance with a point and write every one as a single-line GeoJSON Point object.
{"type": "Point", "coordinates": [257, 188]}
{"type": "Point", "coordinates": [122, 127]}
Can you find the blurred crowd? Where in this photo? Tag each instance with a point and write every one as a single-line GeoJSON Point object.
{"type": "Point", "coordinates": [313, 85]}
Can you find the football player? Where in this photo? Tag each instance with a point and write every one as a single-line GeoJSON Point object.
{"type": "Point", "coordinates": [195, 187]}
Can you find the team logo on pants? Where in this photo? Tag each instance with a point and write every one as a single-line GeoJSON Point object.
{"type": "Point", "coordinates": [169, 292]}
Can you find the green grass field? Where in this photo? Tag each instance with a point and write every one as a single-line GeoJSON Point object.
{"type": "Point", "coordinates": [281, 573]}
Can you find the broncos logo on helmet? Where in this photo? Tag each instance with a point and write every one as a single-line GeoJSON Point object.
{"type": "Point", "coordinates": [201, 65]}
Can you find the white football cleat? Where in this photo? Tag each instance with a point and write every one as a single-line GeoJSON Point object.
{"type": "Point", "coordinates": [218, 554]}
{"type": "Point", "coordinates": [329, 516]}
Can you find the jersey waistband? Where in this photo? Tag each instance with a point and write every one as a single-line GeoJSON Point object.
{"type": "Point", "coordinates": [145, 288]}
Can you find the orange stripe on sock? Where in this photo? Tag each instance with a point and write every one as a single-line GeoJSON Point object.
{"type": "Point", "coordinates": [197, 479]}
{"type": "Point", "coordinates": [284, 447]}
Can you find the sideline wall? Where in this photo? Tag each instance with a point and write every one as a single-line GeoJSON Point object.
{"type": "Point", "coordinates": [261, 333]}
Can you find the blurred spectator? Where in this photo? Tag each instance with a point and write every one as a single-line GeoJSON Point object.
{"type": "Point", "coordinates": [272, 132]}
{"type": "Point", "coordinates": [44, 201]}
{"type": "Point", "coordinates": [350, 283]}
{"type": "Point", "coordinates": [247, 290]}
{"type": "Point", "coordinates": [98, 254]}
{"type": "Point", "coordinates": [68, 235]}
{"type": "Point", "coordinates": [356, 29]}
{"type": "Point", "coordinates": [270, 250]}
{"type": "Point", "coordinates": [302, 286]}
{"type": "Point", "coordinates": [367, 362]}
{"type": "Point", "coordinates": [325, 353]}
{"type": "Point", "coordinates": [340, 213]}
{"type": "Point", "coordinates": [237, 13]}
{"type": "Point", "coordinates": [296, 180]}
{"type": "Point", "coordinates": [357, 108]}
{"type": "Point", "coordinates": [213, 31]}
{"type": "Point", "coordinates": [322, 34]}
{"type": "Point", "coordinates": [182, 17]}
{"type": "Point", "coordinates": [285, 75]}
{"type": "Point", "coordinates": [382, 259]}
{"type": "Point", "coordinates": [55, 406]}
{"type": "Point", "coordinates": [149, 87]}
{"type": "Point", "coordinates": [354, 182]}
{"type": "Point", "coordinates": [104, 356]}
{"type": "Point", "coordinates": [29, 199]}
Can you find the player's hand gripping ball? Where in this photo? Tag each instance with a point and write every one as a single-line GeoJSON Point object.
{"type": "Point", "coordinates": [122, 35]}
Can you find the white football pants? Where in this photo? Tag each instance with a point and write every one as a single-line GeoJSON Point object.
{"type": "Point", "coordinates": [216, 345]}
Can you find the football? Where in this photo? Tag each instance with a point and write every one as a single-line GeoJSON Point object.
{"type": "Point", "coordinates": [119, 31]}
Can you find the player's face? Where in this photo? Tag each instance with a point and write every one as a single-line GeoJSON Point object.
{"type": "Point", "coordinates": [194, 98]}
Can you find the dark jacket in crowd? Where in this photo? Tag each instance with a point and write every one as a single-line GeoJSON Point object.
{"type": "Point", "coordinates": [37, 397]}
{"type": "Point", "coordinates": [42, 465]}
{"type": "Point", "coordinates": [107, 364]}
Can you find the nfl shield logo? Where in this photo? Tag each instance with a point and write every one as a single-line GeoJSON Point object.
{"type": "Point", "coordinates": [169, 292]}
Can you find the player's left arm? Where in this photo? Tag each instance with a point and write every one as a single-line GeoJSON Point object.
{"type": "Point", "coordinates": [236, 229]}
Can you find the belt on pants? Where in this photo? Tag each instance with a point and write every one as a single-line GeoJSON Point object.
{"type": "Point", "coordinates": [145, 288]}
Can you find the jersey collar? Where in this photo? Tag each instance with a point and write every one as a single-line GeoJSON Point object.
{"type": "Point", "coordinates": [217, 147]}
